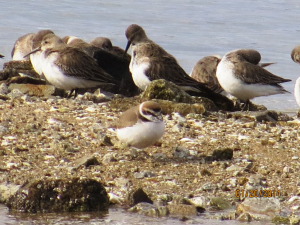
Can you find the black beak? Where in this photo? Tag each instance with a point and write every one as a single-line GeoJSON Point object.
{"type": "Point", "coordinates": [127, 47]}
{"type": "Point", "coordinates": [1, 56]}
{"type": "Point", "coordinates": [33, 51]}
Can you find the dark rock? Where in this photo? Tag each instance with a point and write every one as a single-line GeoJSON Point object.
{"type": "Point", "coordinates": [104, 140]}
{"type": "Point", "coordinates": [222, 154]}
{"type": "Point", "coordinates": [168, 107]}
{"type": "Point", "coordinates": [138, 196]}
{"type": "Point", "coordinates": [165, 90]}
{"type": "Point", "coordinates": [272, 116]}
{"type": "Point", "coordinates": [60, 195]}
{"type": "Point", "coordinates": [14, 68]}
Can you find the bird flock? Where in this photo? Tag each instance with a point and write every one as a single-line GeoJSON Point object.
{"type": "Point", "coordinates": [71, 64]}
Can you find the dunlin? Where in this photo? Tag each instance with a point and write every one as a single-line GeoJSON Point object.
{"type": "Point", "coordinates": [79, 43]}
{"type": "Point", "coordinates": [114, 64]}
{"type": "Point", "coordinates": [150, 61]}
{"type": "Point", "coordinates": [70, 68]}
{"type": "Point", "coordinates": [36, 57]}
{"type": "Point", "coordinates": [141, 126]}
{"type": "Point", "coordinates": [240, 75]}
{"type": "Point", "coordinates": [22, 47]}
{"type": "Point", "coordinates": [204, 71]}
{"type": "Point", "coordinates": [106, 44]}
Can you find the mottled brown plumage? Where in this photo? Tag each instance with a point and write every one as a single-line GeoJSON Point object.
{"type": "Point", "coordinates": [247, 69]}
{"type": "Point", "coordinates": [205, 72]}
{"type": "Point", "coordinates": [162, 65]}
{"type": "Point", "coordinates": [22, 47]}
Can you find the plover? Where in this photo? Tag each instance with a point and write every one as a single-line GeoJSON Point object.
{"type": "Point", "coordinates": [70, 68]}
{"type": "Point", "coordinates": [240, 75]}
{"type": "Point", "coordinates": [36, 57]}
{"type": "Point", "coordinates": [149, 62]}
{"type": "Point", "coordinates": [22, 47]}
{"type": "Point", "coordinates": [141, 126]}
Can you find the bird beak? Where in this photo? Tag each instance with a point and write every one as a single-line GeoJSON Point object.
{"type": "Point", "coordinates": [33, 51]}
{"type": "Point", "coordinates": [1, 56]}
{"type": "Point", "coordinates": [127, 47]}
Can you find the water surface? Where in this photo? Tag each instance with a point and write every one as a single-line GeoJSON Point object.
{"type": "Point", "coordinates": [189, 30]}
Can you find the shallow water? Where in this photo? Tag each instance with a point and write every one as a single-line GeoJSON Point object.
{"type": "Point", "coordinates": [188, 29]}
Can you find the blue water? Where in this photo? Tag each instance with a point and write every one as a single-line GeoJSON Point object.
{"type": "Point", "coordinates": [189, 30]}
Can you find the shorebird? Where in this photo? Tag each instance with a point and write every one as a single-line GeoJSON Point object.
{"type": "Point", "coordinates": [106, 44]}
{"type": "Point", "coordinates": [141, 126]}
{"type": "Point", "coordinates": [69, 68]}
{"type": "Point", "coordinates": [22, 47]}
{"type": "Point", "coordinates": [36, 58]}
{"type": "Point", "coordinates": [79, 43]}
{"type": "Point", "coordinates": [111, 62]}
{"type": "Point", "coordinates": [240, 75]}
{"type": "Point", "coordinates": [204, 71]}
{"type": "Point", "coordinates": [149, 62]}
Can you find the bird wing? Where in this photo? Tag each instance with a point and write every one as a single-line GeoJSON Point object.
{"type": "Point", "coordinates": [73, 62]}
{"type": "Point", "coordinates": [253, 74]}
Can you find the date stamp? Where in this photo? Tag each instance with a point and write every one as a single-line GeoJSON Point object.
{"type": "Point", "coordinates": [257, 193]}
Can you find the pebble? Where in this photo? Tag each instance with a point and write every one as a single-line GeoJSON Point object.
{"type": "Point", "coordinates": [180, 152]}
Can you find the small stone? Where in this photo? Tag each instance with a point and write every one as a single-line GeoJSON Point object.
{"type": "Point", "coordinates": [222, 154]}
{"type": "Point", "coordinates": [147, 209]}
{"type": "Point", "coordinates": [137, 196]}
{"type": "Point", "coordinates": [109, 157]}
{"type": "Point", "coordinates": [86, 161]}
{"type": "Point", "coordinates": [3, 130]}
{"type": "Point", "coordinates": [182, 210]}
{"type": "Point", "coordinates": [205, 172]}
{"type": "Point", "coordinates": [220, 203]}
{"type": "Point", "coordinates": [33, 90]}
{"type": "Point", "coordinates": [260, 208]}
{"type": "Point", "coordinates": [180, 152]}
{"type": "Point", "coordinates": [114, 199]}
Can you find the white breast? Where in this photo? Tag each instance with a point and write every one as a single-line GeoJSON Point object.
{"type": "Point", "coordinates": [297, 91]}
{"type": "Point", "coordinates": [142, 134]}
{"type": "Point", "coordinates": [236, 87]}
{"type": "Point", "coordinates": [35, 59]}
{"type": "Point", "coordinates": [57, 78]}
{"type": "Point", "coordinates": [138, 66]}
